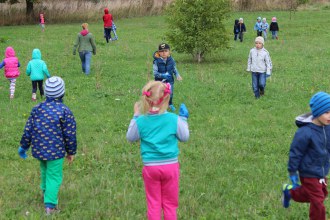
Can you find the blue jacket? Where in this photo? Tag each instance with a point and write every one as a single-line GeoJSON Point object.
{"type": "Point", "coordinates": [37, 68]}
{"type": "Point", "coordinates": [50, 131]}
{"type": "Point", "coordinates": [309, 151]}
{"type": "Point", "coordinates": [161, 66]}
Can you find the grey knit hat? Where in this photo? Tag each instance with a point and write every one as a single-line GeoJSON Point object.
{"type": "Point", "coordinates": [54, 87]}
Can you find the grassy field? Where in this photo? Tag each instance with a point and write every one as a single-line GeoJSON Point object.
{"type": "Point", "coordinates": [235, 161]}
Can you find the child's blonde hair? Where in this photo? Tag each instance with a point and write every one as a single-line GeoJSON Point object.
{"type": "Point", "coordinates": [84, 26]}
{"type": "Point", "coordinates": [155, 94]}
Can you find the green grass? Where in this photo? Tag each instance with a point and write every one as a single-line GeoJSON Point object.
{"type": "Point", "coordinates": [235, 161]}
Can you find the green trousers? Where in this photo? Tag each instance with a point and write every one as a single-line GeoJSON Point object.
{"type": "Point", "coordinates": [51, 180]}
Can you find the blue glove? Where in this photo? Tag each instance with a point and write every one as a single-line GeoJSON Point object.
{"type": "Point", "coordinates": [166, 76]}
{"type": "Point", "coordinates": [183, 111]}
{"type": "Point", "coordinates": [295, 180]}
{"type": "Point", "coordinates": [22, 153]}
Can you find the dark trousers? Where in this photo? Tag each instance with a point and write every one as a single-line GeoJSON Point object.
{"type": "Point", "coordinates": [241, 36]}
{"type": "Point", "coordinates": [259, 33]}
{"type": "Point", "coordinates": [107, 34]}
{"type": "Point", "coordinates": [313, 192]}
{"type": "Point", "coordinates": [38, 83]}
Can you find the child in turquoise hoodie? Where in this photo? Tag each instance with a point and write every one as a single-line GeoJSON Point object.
{"type": "Point", "coordinates": [36, 69]}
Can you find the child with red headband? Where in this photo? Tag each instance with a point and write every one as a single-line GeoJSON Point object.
{"type": "Point", "coordinates": [159, 132]}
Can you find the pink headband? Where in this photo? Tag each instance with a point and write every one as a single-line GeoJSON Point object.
{"type": "Point", "coordinates": [146, 93]}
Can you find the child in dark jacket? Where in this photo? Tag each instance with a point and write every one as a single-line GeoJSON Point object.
{"type": "Point", "coordinates": [309, 158]}
{"type": "Point", "coordinates": [164, 68]}
{"type": "Point", "coordinates": [51, 132]}
{"type": "Point", "coordinates": [236, 30]}
{"type": "Point", "coordinates": [241, 29]}
{"type": "Point", "coordinates": [274, 28]}
{"type": "Point", "coordinates": [11, 65]}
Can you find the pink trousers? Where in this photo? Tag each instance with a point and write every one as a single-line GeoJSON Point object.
{"type": "Point", "coordinates": [162, 190]}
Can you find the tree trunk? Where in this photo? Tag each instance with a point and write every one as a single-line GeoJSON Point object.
{"type": "Point", "coordinates": [29, 9]}
{"type": "Point", "coordinates": [199, 56]}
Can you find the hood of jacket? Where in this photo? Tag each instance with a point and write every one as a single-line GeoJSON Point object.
{"type": "Point", "coordinates": [304, 119]}
{"type": "Point", "coordinates": [10, 52]}
{"type": "Point", "coordinates": [236, 21]}
{"type": "Point", "coordinates": [106, 11]}
{"type": "Point", "coordinates": [36, 54]}
{"type": "Point", "coordinates": [84, 32]}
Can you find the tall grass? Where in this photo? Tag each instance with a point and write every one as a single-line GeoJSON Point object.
{"type": "Point", "coordinates": [235, 161]}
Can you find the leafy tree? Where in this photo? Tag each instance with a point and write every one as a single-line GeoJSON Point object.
{"type": "Point", "coordinates": [196, 26]}
{"type": "Point", "coordinates": [29, 5]}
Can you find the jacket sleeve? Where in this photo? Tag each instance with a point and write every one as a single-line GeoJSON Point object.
{"type": "Point", "coordinates": [26, 137]}
{"type": "Point", "coordinates": [269, 63]}
{"type": "Point", "coordinates": [28, 69]}
{"type": "Point", "coordinates": [298, 148]}
{"type": "Point", "coordinates": [93, 44]}
{"type": "Point", "coordinates": [69, 132]}
{"type": "Point", "coordinates": [249, 62]}
{"type": "Point", "coordinates": [176, 72]}
{"type": "Point", "coordinates": [133, 131]}
{"type": "Point", "coordinates": [183, 130]}
{"type": "Point", "coordinates": [45, 70]}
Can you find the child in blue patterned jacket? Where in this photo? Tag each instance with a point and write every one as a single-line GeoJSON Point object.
{"type": "Point", "coordinates": [159, 132]}
{"type": "Point", "coordinates": [51, 133]}
{"type": "Point", "coordinates": [164, 68]}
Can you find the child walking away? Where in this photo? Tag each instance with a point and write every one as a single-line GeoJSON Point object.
{"type": "Point", "coordinates": [264, 27]}
{"type": "Point", "coordinates": [241, 29]}
{"type": "Point", "coordinates": [164, 68]}
{"type": "Point", "coordinates": [257, 27]}
{"type": "Point", "coordinates": [260, 65]}
{"type": "Point", "coordinates": [309, 158]}
{"type": "Point", "coordinates": [274, 28]}
{"type": "Point", "coordinates": [11, 70]}
{"type": "Point", "coordinates": [86, 46]}
{"type": "Point", "coordinates": [236, 30]}
{"type": "Point", "coordinates": [159, 132]}
{"type": "Point", "coordinates": [36, 69]}
{"type": "Point", "coordinates": [42, 21]}
{"type": "Point", "coordinates": [107, 23]}
{"type": "Point", "coordinates": [51, 133]}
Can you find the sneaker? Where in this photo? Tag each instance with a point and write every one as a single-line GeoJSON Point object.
{"type": "Point", "coordinates": [11, 96]}
{"type": "Point", "coordinates": [34, 97]}
{"type": "Point", "coordinates": [172, 108]}
{"type": "Point", "coordinates": [286, 195]}
{"type": "Point", "coordinates": [50, 211]}
{"type": "Point", "coordinates": [262, 92]}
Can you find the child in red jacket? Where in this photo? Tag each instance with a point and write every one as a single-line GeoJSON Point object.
{"type": "Point", "coordinates": [107, 24]}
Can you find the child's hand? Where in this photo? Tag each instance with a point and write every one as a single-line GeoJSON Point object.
{"type": "Point", "coordinates": [137, 108]}
{"type": "Point", "coordinates": [70, 158]}
{"type": "Point", "coordinates": [179, 78]}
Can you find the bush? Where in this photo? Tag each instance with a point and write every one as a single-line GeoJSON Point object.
{"type": "Point", "coordinates": [196, 26]}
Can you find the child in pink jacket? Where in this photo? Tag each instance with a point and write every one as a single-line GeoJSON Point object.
{"type": "Point", "coordinates": [11, 70]}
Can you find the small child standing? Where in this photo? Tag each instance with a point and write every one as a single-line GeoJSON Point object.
{"type": "Point", "coordinates": [260, 65]}
{"type": "Point", "coordinates": [164, 68]}
{"type": "Point", "coordinates": [159, 132]}
{"type": "Point", "coordinates": [36, 69]}
{"type": "Point", "coordinates": [51, 132]}
{"type": "Point", "coordinates": [236, 30]}
{"type": "Point", "coordinates": [264, 27]}
{"type": "Point", "coordinates": [309, 158]}
{"type": "Point", "coordinates": [11, 70]}
{"type": "Point", "coordinates": [107, 24]}
{"type": "Point", "coordinates": [257, 27]}
{"type": "Point", "coordinates": [241, 29]}
{"type": "Point", "coordinates": [42, 21]}
{"type": "Point", "coordinates": [274, 28]}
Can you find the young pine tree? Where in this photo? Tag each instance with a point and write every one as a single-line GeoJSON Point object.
{"type": "Point", "coordinates": [196, 26]}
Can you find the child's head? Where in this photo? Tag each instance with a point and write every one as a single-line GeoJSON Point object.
{"type": "Point", "coordinates": [155, 97]}
{"type": "Point", "coordinates": [240, 20]}
{"type": "Point", "coordinates": [264, 20]}
{"type": "Point", "coordinates": [320, 104]}
{"type": "Point", "coordinates": [164, 50]}
{"type": "Point", "coordinates": [84, 26]}
{"type": "Point", "coordinates": [54, 87]}
{"type": "Point", "coordinates": [258, 19]}
{"type": "Point", "coordinates": [274, 19]}
{"type": "Point", "coordinates": [10, 52]}
{"type": "Point", "coordinates": [236, 21]}
{"type": "Point", "coordinates": [106, 11]}
{"type": "Point", "coordinates": [259, 41]}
